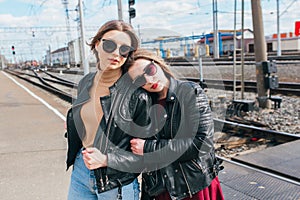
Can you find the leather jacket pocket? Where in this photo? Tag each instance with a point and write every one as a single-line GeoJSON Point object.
{"type": "Point", "coordinates": [154, 183]}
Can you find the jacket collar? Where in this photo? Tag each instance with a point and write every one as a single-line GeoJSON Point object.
{"type": "Point", "coordinates": [172, 89]}
{"type": "Point", "coordinates": [120, 86]}
{"type": "Point", "coordinates": [84, 93]}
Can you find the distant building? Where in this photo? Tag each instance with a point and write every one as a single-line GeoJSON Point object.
{"type": "Point", "coordinates": [289, 42]}
{"type": "Point", "coordinates": [182, 46]}
{"type": "Point", "coordinates": [60, 56]}
{"type": "Point", "coordinates": [75, 52]}
{"type": "Point", "coordinates": [226, 46]}
{"type": "Point", "coordinates": [68, 55]}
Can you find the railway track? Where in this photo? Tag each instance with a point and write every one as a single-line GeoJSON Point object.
{"type": "Point", "coordinates": [248, 60]}
{"type": "Point", "coordinates": [220, 125]}
{"type": "Point", "coordinates": [284, 88]}
{"type": "Point", "coordinates": [212, 62]}
{"type": "Point", "coordinates": [41, 83]}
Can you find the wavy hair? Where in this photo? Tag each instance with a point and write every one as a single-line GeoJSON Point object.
{"type": "Point", "coordinates": [118, 25]}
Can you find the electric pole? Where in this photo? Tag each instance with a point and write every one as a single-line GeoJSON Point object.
{"type": "Point", "coordinates": [215, 29]}
{"type": "Point", "coordinates": [84, 60]}
{"type": "Point", "coordinates": [65, 3]}
{"type": "Point", "coordinates": [278, 31]}
{"type": "Point", "coordinates": [120, 10]}
{"type": "Point", "coordinates": [2, 60]}
{"type": "Point", "coordinates": [260, 53]}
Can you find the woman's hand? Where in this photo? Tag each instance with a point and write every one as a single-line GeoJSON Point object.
{"type": "Point", "coordinates": [137, 146]}
{"type": "Point", "coordinates": [93, 158]}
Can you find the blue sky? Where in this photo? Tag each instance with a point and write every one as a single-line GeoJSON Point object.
{"type": "Point", "coordinates": [161, 17]}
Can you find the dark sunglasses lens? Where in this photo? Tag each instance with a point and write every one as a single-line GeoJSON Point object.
{"type": "Point", "coordinates": [109, 46]}
{"type": "Point", "coordinates": [140, 81]}
{"type": "Point", "coordinates": [150, 69]}
{"type": "Point", "coordinates": [124, 50]}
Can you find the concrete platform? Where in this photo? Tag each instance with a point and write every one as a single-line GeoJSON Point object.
{"type": "Point", "coordinates": [239, 183]}
{"type": "Point", "coordinates": [284, 158]}
{"type": "Point", "coordinates": [32, 146]}
{"type": "Point", "coordinates": [33, 149]}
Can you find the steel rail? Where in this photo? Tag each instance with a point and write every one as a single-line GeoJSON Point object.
{"type": "Point", "coordinates": [271, 134]}
{"type": "Point", "coordinates": [272, 173]}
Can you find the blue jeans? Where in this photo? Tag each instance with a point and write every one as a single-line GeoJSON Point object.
{"type": "Point", "coordinates": [83, 185]}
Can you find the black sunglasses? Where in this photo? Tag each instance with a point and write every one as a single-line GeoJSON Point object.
{"type": "Point", "coordinates": [149, 70]}
{"type": "Point", "coordinates": [109, 46]}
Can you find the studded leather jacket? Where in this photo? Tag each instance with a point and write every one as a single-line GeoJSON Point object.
{"type": "Point", "coordinates": [182, 151]}
{"type": "Point", "coordinates": [123, 109]}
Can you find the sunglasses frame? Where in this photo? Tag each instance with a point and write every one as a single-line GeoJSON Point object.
{"type": "Point", "coordinates": [116, 46]}
{"type": "Point", "coordinates": [140, 80]}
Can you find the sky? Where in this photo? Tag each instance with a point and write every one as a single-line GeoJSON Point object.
{"type": "Point", "coordinates": [19, 20]}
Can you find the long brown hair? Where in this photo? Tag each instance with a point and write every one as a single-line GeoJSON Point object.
{"type": "Point", "coordinates": [118, 25]}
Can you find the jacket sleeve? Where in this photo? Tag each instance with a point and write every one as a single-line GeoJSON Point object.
{"type": "Point", "coordinates": [194, 136]}
{"type": "Point", "coordinates": [125, 160]}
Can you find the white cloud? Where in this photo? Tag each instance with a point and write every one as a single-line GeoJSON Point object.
{"type": "Point", "coordinates": [8, 20]}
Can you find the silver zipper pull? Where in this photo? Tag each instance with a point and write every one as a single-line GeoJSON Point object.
{"type": "Point", "coordinates": [102, 184]}
{"type": "Point", "coordinates": [106, 179]}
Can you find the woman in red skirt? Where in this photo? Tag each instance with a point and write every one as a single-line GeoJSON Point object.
{"type": "Point", "coordinates": [179, 156]}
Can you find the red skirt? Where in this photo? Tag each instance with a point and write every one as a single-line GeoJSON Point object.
{"type": "Point", "coordinates": [212, 192]}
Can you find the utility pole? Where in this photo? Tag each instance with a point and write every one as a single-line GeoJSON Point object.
{"type": "Point", "coordinates": [65, 3]}
{"type": "Point", "coordinates": [2, 63]}
{"type": "Point", "coordinates": [242, 53]}
{"type": "Point", "coordinates": [215, 29]}
{"type": "Point", "coordinates": [234, 52]}
{"type": "Point", "coordinates": [260, 53]}
{"type": "Point", "coordinates": [120, 10]}
{"type": "Point", "coordinates": [84, 60]}
{"type": "Point", "coordinates": [278, 31]}
{"type": "Point", "coordinates": [50, 56]}
{"type": "Point", "coordinates": [2, 60]}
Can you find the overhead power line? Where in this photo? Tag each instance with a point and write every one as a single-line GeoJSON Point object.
{"type": "Point", "coordinates": [44, 29]}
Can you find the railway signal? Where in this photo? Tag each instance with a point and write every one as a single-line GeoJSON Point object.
{"type": "Point", "coordinates": [13, 50]}
{"type": "Point", "coordinates": [131, 10]}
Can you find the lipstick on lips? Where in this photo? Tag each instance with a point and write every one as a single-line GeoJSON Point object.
{"type": "Point", "coordinates": [154, 86]}
{"type": "Point", "coordinates": [113, 60]}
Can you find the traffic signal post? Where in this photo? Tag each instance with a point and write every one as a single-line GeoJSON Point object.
{"type": "Point", "coordinates": [131, 10]}
{"type": "Point", "coordinates": [13, 53]}
{"type": "Point", "coordinates": [13, 50]}
{"type": "Point", "coordinates": [260, 54]}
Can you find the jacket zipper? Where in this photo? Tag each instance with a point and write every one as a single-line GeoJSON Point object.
{"type": "Point", "coordinates": [197, 165]}
{"type": "Point", "coordinates": [111, 112]}
{"type": "Point", "coordinates": [106, 144]}
{"type": "Point", "coordinates": [185, 179]}
{"type": "Point", "coordinates": [172, 115]}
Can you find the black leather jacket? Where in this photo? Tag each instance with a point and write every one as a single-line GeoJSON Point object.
{"type": "Point", "coordinates": [183, 150]}
{"type": "Point", "coordinates": [123, 109]}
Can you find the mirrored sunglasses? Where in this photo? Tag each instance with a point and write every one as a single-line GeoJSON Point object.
{"type": "Point", "coordinates": [149, 70]}
{"type": "Point", "coordinates": [110, 46]}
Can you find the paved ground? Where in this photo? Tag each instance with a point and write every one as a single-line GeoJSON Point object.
{"type": "Point", "coordinates": [33, 149]}
{"type": "Point", "coordinates": [32, 146]}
